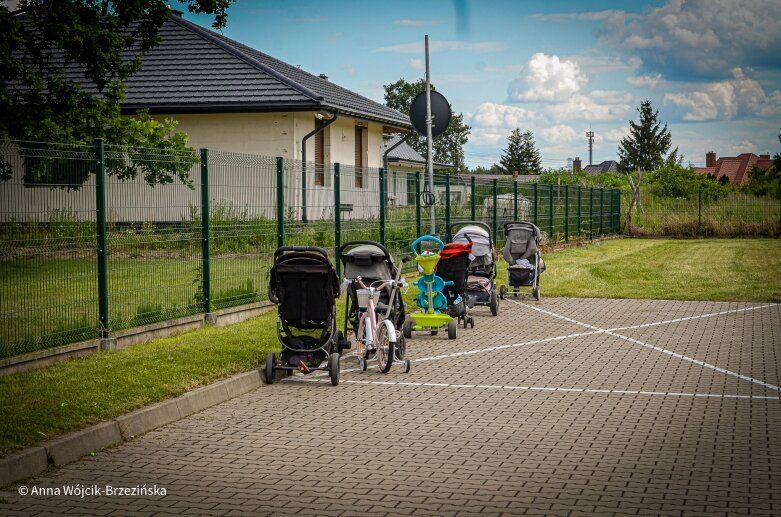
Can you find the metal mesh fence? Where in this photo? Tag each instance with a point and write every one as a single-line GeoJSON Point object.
{"type": "Point", "coordinates": [187, 233]}
{"type": "Point", "coordinates": [48, 276]}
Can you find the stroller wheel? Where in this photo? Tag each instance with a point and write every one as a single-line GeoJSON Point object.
{"type": "Point", "coordinates": [536, 293]}
{"type": "Point", "coordinates": [434, 332]}
{"type": "Point", "coordinates": [270, 363]}
{"type": "Point", "coordinates": [471, 322]}
{"type": "Point", "coordinates": [494, 304]}
{"type": "Point", "coordinates": [362, 364]}
{"type": "Point", "coordinates": [502, 292]}
{"type": "Point", "coordinates": [407, 329]}
{"type": "Point", "coordinates": [333, 368]}
{"type": "Point", "coordinates": [452, 330]}
{"type": "Point", "coordinates": [407, 365]}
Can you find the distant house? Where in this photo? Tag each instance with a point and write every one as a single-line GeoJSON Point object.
{"type": "Point", "coordinates": [606, 166]}
{"type": "Point", "coordinates": [734, 168]}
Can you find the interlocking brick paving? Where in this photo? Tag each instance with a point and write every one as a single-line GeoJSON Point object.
{"type": "Point", "coordinates": [561, 412]}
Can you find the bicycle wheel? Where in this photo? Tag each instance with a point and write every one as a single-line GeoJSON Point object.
{"type": "Point", "coordinates": [384, 348]}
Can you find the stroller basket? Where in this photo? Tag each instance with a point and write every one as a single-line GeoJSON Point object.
{"type": "Point", "coordinates": [363, 296]}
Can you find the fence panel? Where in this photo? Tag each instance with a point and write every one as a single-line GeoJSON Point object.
{"type": "Point", "coordinates": [48, 269]}
{"type": "Point", "coordinates": [154, 236]}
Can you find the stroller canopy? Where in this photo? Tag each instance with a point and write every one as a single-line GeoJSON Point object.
{"type": "Point", "coordinates": [523, 241]}
{"type": "Point", "coordinates": [367, 261]}
{"type": "Point", "coordinates": [481, 242]}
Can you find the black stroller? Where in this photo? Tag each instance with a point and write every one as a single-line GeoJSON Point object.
{"type": "Point", "coordinates": [453, 266]}
{"type": "Point", "coordinates": [481, 280]}
{"type": "Point", "coordinates": [522, 253]}
{"type": "Point", "coordinates": [304, 285]}
{"type": "Point", "coordinates": [373, 263]}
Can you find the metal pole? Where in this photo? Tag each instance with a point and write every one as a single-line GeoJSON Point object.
{"type": "Point", "coordinates": [337, 219]}
{"type": "Point", "coordinates": [473, 197]}
{"type": "Point", "coordinates": [429, 159]}
{"type": "Point", "coordinates": [383, 200]}
{"type": "Point", "coordinates": [699, 210]}
{"type": "Point", "coordinates": [536, 199]}
{"type": "Point", "coordinates": [566, 213]}
{"type": "Point", "coordinates": [417, 204]}
{"type": "Point", "coordinates": [280, 202]}
{"type": "Point", "coordinates": [579, 221]}
{"type": "Point", "coordinates": [550, 210]}
{"type": "Point", "coordinates": [447, 202]}
{"type": "Point", "coordinates": [601, 209]}
{"type": "Point", "coordinates": [515, 200]}
{"type": "Point", "coordinates": [100, 216]}
{"type": "Point", "coordinates": [591, 212]}
{"type": "Point", "coordinates": [205, 268]}
{"type": "Point", "coordinates": [494, 210]}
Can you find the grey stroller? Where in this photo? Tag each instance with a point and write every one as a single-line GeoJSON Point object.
{"type": "Point", "coordinates": [481, 279]}
{"type": "Point", "coordinates": [522, 253]}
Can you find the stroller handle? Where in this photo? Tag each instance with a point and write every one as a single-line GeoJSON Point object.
{"type": "Point", "coordinates": [350, 244]}
{"type": "Point", "coordinates": [284, 249]}
{"type": "Point", "coordinates": [521, 224]}
{"type": "Point", "coordinates": [481, 224]}
{"type": "Point", "coordinates": [424, 239]}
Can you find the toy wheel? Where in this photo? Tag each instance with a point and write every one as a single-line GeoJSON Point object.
{"type": "Point", "coordinates": [270, 362]}
{"type": "Point", "coordinates": [494, 304]}
{"type": "Point", "coordinates": [452, 330]}
{"type": "Point", "coordinates": [362, 364]}
{"type": "Point", "coordinates": [384, 350]}
{"type": "Point", "coordinates": [502, 292]}
{"type": "Point", "coordinates": [407, 328]}
{"type": "Point", "coordinates": [333, 368]}
{"type": "Point", "coordinates": [401, 347]}
{"type": "Point", "coordinates": [536, 293]}
{"type": "Point", "coordinates": [407, 365]}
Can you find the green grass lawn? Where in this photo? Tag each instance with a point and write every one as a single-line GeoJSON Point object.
{"type": "Point", "coordinates": [39, 404]}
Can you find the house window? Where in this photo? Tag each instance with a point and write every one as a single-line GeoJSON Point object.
{"type": "Point", "coordinates": [319, 154]}
{"type": "Point", "coordinates": [360, 158]}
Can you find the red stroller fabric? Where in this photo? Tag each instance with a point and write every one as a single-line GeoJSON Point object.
{"type": "Point", "coordinates": [454, 249]}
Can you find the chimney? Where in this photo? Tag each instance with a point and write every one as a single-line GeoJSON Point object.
{"type": "Point", "coordinates": [710, 159]}
{"type": "Point", "coordinates": [764, 156]}
{"type": "Point", "coordinates": [323, 77]}
{"type": "Point", "coordinates": [576, 164]}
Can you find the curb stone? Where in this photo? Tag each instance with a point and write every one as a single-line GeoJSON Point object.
{"type": "Point", "coordinates": [70, 447]}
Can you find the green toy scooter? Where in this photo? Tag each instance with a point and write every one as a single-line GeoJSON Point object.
{"type": "Point", "coordinates": [430, 297]}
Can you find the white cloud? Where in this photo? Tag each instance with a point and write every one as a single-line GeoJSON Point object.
{"type": "Point", "coordinates": [444, 46]}
{"type": "Point", "coordinates": [645, 81]}
{"type": "Point", "coordinates": [415, 63]}
{"type": "Point", "coordinates": [587, 16]}
{"type": "Point", "coordinates": [583, 107]}
{"type": "Point", "coordinates": [700, 38]}
{"type": "Point", "coordinates": [493, 122]}
{"type": "Point", "coordinates": [410, 22]}
{"type": "Point", "coordinates": [547, 78]}
{"type": "Point", "coordinates": [726, 99]}
{"type": "Point", "coordinates": [611, 96]}
{"type": "Point", "coordinates": [594, 63]}
{"type": "Point", "coordinates": [560, 134]}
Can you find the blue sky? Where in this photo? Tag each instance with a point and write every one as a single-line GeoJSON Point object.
{"type": "Point", "coordinates": [711, 67]}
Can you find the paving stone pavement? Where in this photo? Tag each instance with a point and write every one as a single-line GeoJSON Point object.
{"type": "Point", "coordinates": [559, 407]}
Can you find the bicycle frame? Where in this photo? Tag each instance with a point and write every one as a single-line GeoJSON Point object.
{"type": "Point", "coordinates": [369, 332]}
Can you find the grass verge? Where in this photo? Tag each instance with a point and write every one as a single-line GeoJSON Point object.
{"type": "Point", "coordinates": [40, 404]}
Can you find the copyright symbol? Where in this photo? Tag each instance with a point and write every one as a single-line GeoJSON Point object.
{"type": "Point", "coordinates": [23, 490]}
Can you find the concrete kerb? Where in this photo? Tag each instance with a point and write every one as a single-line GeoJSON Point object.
{"type": "Point", "coordinates": [70, 447]}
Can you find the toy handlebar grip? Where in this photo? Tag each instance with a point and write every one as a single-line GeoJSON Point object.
{"type": "Point", "coordinates": [423, 239]}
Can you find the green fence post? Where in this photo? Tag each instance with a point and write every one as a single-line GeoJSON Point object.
{"type": "Point", "coordinates": [100, 220]}
{"type": "Point", "coordinates": [280, 202]}
{"type": "Point", "coordinates": [337, 219]}
{"type": "Point", "coordinates": [699, 210]}
{"type": "Point", "coordinates": [493, 222]}
{"type": "Point", "coordinates": [536, 199]}
{"type": "Point", "coordinates": [205, 268]}
{"type": "Point", "coordinates": [566, 213]}
{"type": "Point", "coordinates": [515, 200]}
{"type": "Point", "coordinates": [591, 212]}
{"type": "Point", "coordinates": [417, 203]}
{"type": "Point", "coordinates": [601, 211]}
{"type": "Point", "coordinates": [550, 209]}
{"type": "Point", "coordinates": [447, 202]}
{"type": "Point", "coordinates": [383, 200]}
{"type": "Point", "coordinates": [579, 221]}
{"type": "Point", "coordinates": [473, 198]}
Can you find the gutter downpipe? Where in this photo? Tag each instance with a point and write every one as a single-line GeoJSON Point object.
{"type": "Point", "coordinates": [309, 135]}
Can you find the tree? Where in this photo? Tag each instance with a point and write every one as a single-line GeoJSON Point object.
{"type": "Point", "coordinates": [105, 41]}
{"type": "Point", "coordinates": [521, 154]}
{"type": "Point", "coordinates": [643, 150]}
{"type": "Point", "coordinates": [446, 148]}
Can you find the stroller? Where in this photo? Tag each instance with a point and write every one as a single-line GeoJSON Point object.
{"type": "Point", "coordinates": [522, 253]}
{"type": "Point", "coordinates": [453, 266]}
{"type": "Point", "coordinates": [304, 285]}
{"type": "Point", "coordinates": [481, 279]}
{"type": "Point", "coordinates": [372, 262]}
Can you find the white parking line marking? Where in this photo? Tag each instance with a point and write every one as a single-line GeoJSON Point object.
{"type": "Point", "coordinates": [677, 320]}
{"type": "Point", "coordinates": [658, 349]}
{"type": "Point", "coordinates": [549, 389]}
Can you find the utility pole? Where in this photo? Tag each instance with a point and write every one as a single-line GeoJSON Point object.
{"type": "Point", "coordinates": [590, 136]}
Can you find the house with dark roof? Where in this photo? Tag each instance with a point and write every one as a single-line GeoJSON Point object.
{"type": "Point", "coordinates": [606, 166]}
{"type": "Point", "coordinates": [734, 168]}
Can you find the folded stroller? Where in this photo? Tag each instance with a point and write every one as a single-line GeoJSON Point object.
{"type": "Point", "coordinates": [481, 279]}
{"type": "Point", "coordinates": [522, 253]}
{"type": "Point", "coordinates": [454, 266]}
{"type": "Point", "coordinates": [304, 285]}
